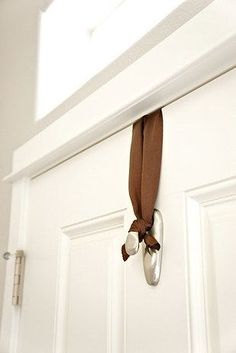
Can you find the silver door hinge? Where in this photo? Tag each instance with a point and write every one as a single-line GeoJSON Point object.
{"type": "Point", "coordinates": [18, 277]}
{"type": "Point", "coordinates": [18, 274]}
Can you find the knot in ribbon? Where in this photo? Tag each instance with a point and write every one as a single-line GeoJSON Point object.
{"type": "Point", "coordinates": [142, 228]}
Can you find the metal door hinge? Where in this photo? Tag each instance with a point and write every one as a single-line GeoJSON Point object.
{"type": "Point", "coordinates": [18, 275]}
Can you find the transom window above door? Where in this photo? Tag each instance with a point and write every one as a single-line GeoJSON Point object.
{"type": "Point", "coordinates": [79, 38]}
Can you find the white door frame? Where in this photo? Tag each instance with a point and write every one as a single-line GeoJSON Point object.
{"type": "Point", "coordinates": [199, 51]}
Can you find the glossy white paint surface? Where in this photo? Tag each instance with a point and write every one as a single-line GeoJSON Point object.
{"type": "Point", "coordinates": [19, 28]}
{"type": "Point", "coordinates": [70, 219]}
{"type": "Point", "coordinates": [79, 295]}
{"type": "Point", "coordinates": [75, 254]}
{"type": "Point", "coordinates": [157, 78]}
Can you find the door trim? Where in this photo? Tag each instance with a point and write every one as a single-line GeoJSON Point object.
{"type": "Point", "coordinates": [202, 331]}
{"type": "Point", "coordinates": [178, 65]}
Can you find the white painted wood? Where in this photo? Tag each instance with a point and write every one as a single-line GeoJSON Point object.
{"type": "Point", "coordinates": [17, 237]}
{"type": "Point", "coordinates": [198, 151]}
{"type": "Point", "coordinates": [85, 233]}
{"type": "Point", "coordinates": [210, 255]}
{"type": "Point", "coordinates": [198, 334]}
{"type": "Point", "coordinates": [154, 80]}
{"type": "Point", "coordinates": [78, 294]}
{"type": "Point", "coordinates": [72, 219]}
{"type": "Point", "coordinates": [58, 242]}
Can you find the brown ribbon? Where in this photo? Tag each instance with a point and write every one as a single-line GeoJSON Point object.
{"type": "Point", "coordinates": [144, 175]}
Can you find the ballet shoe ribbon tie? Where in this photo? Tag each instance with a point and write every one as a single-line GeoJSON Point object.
{"type": "Point", "coordinates": [142, 228]}
{"type": "Point", "coordinates": [144, 175]}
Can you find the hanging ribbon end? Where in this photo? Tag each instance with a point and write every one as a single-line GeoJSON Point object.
{"type": "Point", "coordinates": [151, 242]}
{"type": "Point", "coordinates": [125, 256]}
{"type": "Point", "coordinates": [157, 246]}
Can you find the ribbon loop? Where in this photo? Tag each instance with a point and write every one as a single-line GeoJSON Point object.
{"type": "Point", "coordinates": [140, 226]}
{"type": "Point", "coordinates": [151, 242]}
{"type": "Point", "coordinates": [144, 174]}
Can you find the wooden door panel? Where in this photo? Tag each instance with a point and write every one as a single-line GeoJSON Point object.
{"type": "Point", "coordinates": [210, 220]}
{"type": "Point", "coordinates": [220, 225]}
{"type": "Point", "coordinates": [198, 167]}
{"type": "Point", "coordinates": [80, 296]}
{"type": "Point", "coordinates": [199, 136]}
{"type": "Point", "coordinates": [74, 279]}
{"type": "Point", "coordinates": [90, 298]}
{"type": "Point", "coordinates": [160, 312]}
{"type": "Point", "coordinates": [217, 225]}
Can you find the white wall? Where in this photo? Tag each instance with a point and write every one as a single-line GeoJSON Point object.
{"type": "Point", "coordinates": [18, 54]}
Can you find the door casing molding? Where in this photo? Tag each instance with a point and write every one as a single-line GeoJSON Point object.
{"type": "Point", "coordinates": [178, 65]}
{"type": "Point", "coordinates": [197, 201]}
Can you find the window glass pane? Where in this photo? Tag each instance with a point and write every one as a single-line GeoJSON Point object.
{"type": "Point", "coordinates": [79, 38]}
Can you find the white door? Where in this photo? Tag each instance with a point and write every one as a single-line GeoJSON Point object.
{"type": "Point", "coordinates": [79, 296]}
